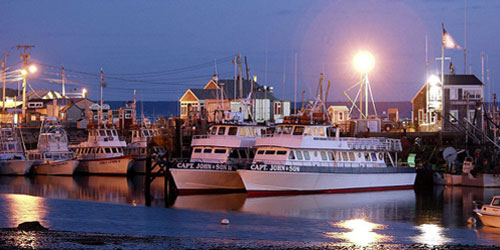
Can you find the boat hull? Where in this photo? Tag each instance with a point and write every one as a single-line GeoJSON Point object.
{"type": "Point", "coordinates": [453, 179]}
{"type": "Point", "coordinates": [192, 181]}
{"type": "Point", "coordinates": [107, 166]}
{"type": "Point", "coordinates": [139, 166]}
{"type": "Point", "coordinates": [66, 167]}
{"type": "Point", "coordinates": [481, 180]}
{"type": "Point", "coordinates": [15, 167]}
{"type": "Point", "coordinates": [284, 183]}
{"type": "Point", "coordinates": [489, 220]}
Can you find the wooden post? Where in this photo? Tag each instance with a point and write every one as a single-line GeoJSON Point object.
{"type": "Point", "coordinates": [147, 177]}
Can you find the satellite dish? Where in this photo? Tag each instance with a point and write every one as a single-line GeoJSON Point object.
{"type": "Point", "coordinates": [449, 155]}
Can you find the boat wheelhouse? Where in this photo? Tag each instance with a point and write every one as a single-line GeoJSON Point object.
{"type": "Point", "coordinates": [52, 156]}
{"type": "Point", "coordinates": [138, 147]}
{"type": "Point", "coordinates": [103, 153]}
{"type": "Point", "coordinates": [314, 158]}
{"type": "Point", "coordinates": [215, 157]}
{"type": "Point", "coordinates": [12, 153]}
{"type": "Point", "coordinates": [490, 214]}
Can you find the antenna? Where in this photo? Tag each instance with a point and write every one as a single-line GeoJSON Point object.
{"type": "Point", "coordinates": [465, 36]}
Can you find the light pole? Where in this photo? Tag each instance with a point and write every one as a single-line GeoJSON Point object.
{"type": "Point", "coordinates": [363, 62]}
{"type": "Point", "coordinates": [24, 74]}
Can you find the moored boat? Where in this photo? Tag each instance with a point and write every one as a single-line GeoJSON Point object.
{"type": "Point", "coordinates": [52, 156]}
{"type": "Point", "coordinates": [103, 153]}
{"type": "Point", "coordinates": [490, 214]}
{"type": "Point", "coordinates": [138, 146]}
{"type": "Point", "coordinates": [13, 159]}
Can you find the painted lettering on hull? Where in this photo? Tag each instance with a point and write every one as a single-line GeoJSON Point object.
{"type": "Point", "coordinates": [203, 166]}
{"type": "Point", "coordinates": [274, 167]}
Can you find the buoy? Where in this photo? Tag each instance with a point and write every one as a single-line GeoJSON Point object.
{"type": "Point", "coordinates": [471, 220]}
{"type": "Point", "coordinates": [224, 222]}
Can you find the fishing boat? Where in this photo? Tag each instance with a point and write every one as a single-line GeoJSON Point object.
{"type": "Point", "coordinates": [489, 214]}
{"type": "Point", "coordinates": [52, 156]}
{"type": "Point", "coordinates": [473, 178]}
{"type": "Point", "coordinates": [103, 153]}
{"type": "Point", "coordinates": [138, 146]}
{"type": "Point", "coordinates": [13, 159]}
{"type": "Point", "coordinates": [307, 155]}
{"type": "Point", "coordinates": [215, 157]}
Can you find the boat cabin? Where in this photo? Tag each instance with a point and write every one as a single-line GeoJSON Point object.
{"type": "Point", "coordinates": [103, 134]}
{"type": "Point", "coordinates": [495, 201]}
{"type": "Point", "coordinates": [233, 130]}
{"type": "Point", "coordinates": [222, 155]}
{"type": "Point", "coordinates": [306, 130]}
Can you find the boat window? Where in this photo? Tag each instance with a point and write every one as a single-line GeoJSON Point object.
{"type": "Point", "coordinates": [307, 131]}
{"type": "Point", "coordinates": [323, 156]}
{"type": "Point", "coordinates": [243, 154]}
{"type": "Point", "coordinates": [108, 150]}
{"type": "Point", "coordinates": [242, 132]}
{"type": "Point", "coordinates": [114, 132]}
{"type": "Point", "coordinates": [278, 130]}
{"type": "Point", "coordinates": [232, 131]}
{"type": "Point", "coordinates": [374, 157]}
{"type": "Point", "coordinates": [495, 202]}
{"type": "Point", "coordinates": [367, 157]}
{"type": "Point", "coordinates": [213, 130]}
{"type": "Point", "coordinates": [321, 131]}
{"type": "Point", "coordinates": [220, 151]}
{"type": "Point", "coordinates": [260, 152]}
{"type": "Point", "coordinates": [291, 156]}
{"type": "Point", "coordinates": [299, 155]}
{"type": "Point", "coordinates": [330, 132]}
{"type": "Point", "coordinates": [306, 155]}
{"type": "Point", "coordinates": [331, 156]}
{"type": "Point", "coordinates": [351, 156]}
{"type": "Point", "coordinates": [256, 132]}
{"type": "Point", "coordinates": [120, 150]}
{"type": "Point", "coordinates": [281, 152]}
{"type": "Point", "coordinates": [56, 156]}
{"type": "Point", "coordinates": [315, 131]}
{"type": "Point", "coordinates": [207, 150]}
{"type": "Point", "coordinates": [299, 130]}
{"type": "Point", "coordinates": [251, 155]}
{"type": "Point", "coordinates": [222, 131]}
{"type": "Point", "coordinates": [270, 152]}
{"type": "Point", "coordinates": [287, 130]}
{"type": "Point", "coordinates": [344, 156]}
{"type": "Point", "coordinates": [234, 154]}
{"type": "Point", "coordinates": [197, 150]}
{"type": "Point", "coordinates": [249, 132]}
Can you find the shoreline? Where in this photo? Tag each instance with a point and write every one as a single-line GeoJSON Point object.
{"type": "Point", "coordinates": [13, 238]}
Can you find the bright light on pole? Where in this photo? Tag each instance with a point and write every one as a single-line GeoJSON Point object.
{"type": "Point", "coordinates": [32, 68]}
{"type": "Point", "coordinates": [364, 61]}
{"type": "Point", "coordinates": [84, 92]}
{"type": "Point", "coordinates": [434, 80]}
{"type": "Point", "coordinates": [24, 72]}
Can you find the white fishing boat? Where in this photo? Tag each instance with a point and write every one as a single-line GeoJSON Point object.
{"type": "Point", "coordinates": [12, 153]}
{"type": "Point", "coordinates": [52, 156]}
{"type": "Point", "coordinates": [103, 153]}
{"type": "Point", "coordinates": [490, 214]}
{"type": "Point", "coordinates": [480, 179]}
{"type": "Point", "coordinates": [138, 146]}
{"type": "Point", "coordinates": [215, 157]}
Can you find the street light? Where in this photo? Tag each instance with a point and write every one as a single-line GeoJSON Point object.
{"type": "Point", "coordinates": [364, 61]}
{"type": "Point", "coordinates": [24, 73]}
{"type": "Point", "coordinates": [84, 92]}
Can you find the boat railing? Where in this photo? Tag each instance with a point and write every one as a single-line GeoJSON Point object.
{"type": "Point", "coordinates": [332, 164]}
{"type": "Point", "coordinates": [221, 136]}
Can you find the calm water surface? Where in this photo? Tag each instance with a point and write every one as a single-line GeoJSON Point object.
{"type": "Point", "coordinates": [116, 205]}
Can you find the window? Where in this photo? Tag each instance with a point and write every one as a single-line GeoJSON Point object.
{"type": "Point", "coordinates": [420, 115]}
{"type": "Point", "coordinates": [234, 154]}
{"type": "Point", "coordinates": [242, 132]}
{"type": "Point", "coordinates": [367, 156]}
{"type": "Point", "coordinates": [207, 150]}
{"type": "Point", "coordinates": [249, 132]}
{"type": "Point", "coordinates": [33, 118]}
{"type": "Point", "coordinates": [291, 156]}
{"type": "Point", "coordinates": [108, 150]}
{"type": "Point", "coordinates": [222, 131]}
{"type": "Point", "coordinates": [281, 152]}
{"type": "Point", "coordinates": [299, 130]}
{"type": "Point", "coordinates": [260, 152]}
{"type": "Point", "coordinates": [277, 108]}
{"type": "Point", "coordinates": [321, 131]}
{"type": "Point", "coordinates": [315, 131]}
{"type": "Point", "coordinates": [243, 154]}
{"type": "Point", "coordinates": [299, 155]}
{"type": "Point", "coordinates": [115, 150]}
{"type": "Point", "coordinates": [232, 130]}
{"type": "Point", "coordinates": [344, 155]}
{"type": "Point", "coordinates": [453, 94]}
{"type": "Point", "coordinates": [331, 156]}
{"type": "Point", "coordinates": [351, 156]}
{"type": "Point", "coordinates": [306, 155]}
{"type": "Point", "coordinates": [220, 151]}
{"type": "Point", "coordinates": [495, 202]}
{"type": "Point", "coordinates": [287, 130]}
{"type": "Point", "coordinates": [454, 116]}
{"type": "Point", "coordinates": [471, 115]}
{"type": "Point", "coordinates": [270, 152]}
{"type": "Point", "coordinates": [323, 156]}
{"type": "Point", "coordinates": [374, 157]}
{"type": "Point", "coordinates": [340, 116]}
{"type": "Point", "coordinates": [213, 130]}
{"type": "Point", "coordinates": [197, 150]}
{"type": "Point", "coordinates": [307, 131]}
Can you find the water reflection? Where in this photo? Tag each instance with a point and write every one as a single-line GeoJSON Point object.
{"type": "Point", "coordinates": [361, 233]}
{"type": "Point", "coordinates": [431, 234]}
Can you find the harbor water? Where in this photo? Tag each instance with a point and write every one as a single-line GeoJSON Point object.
{"type": "Point", "coordinates": [105, 204]}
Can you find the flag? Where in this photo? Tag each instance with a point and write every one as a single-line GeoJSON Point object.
{"type": "Point", "coordinates": [103, 84]}
{"type": "Point", "coordinates": [448, 41]}
{"type": "Point", "coordinates": [452, 68]}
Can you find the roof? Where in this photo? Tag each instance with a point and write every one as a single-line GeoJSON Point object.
{"type": "Point", "coordinates": [203, 94]}
{"type": "Point", "coordinates": [461, 80]}
{"type": "Point", "coordinates": [41, 94]}
{"type": "Point", "coordinates": [258, 93]}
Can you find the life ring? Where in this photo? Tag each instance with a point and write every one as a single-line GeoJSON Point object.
{"type": "Point", "coordinates": [110, 138]}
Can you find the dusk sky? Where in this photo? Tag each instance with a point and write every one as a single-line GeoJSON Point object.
{"type": "Point", "coordinates": [179, 40]}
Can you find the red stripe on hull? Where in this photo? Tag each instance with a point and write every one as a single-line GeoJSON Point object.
{"type": "Point", "coordinates": [209, 191]}
{"type": "Point", "coordinates": [257, 193]}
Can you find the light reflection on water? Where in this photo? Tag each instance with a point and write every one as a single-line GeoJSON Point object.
{"type": "Point", "coordinates": [433, 217]}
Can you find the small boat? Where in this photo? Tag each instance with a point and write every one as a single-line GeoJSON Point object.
{"type": "Point", "coordinates": [52, 156]}
{"type": "Point", "coordinates": [489, 214]}
{"type": "Point", "coordinates": [103, 153]}
{"type": "Point", "coordinates": [12, 153]}
{"type": "Point", "coordinates": [138, 146]}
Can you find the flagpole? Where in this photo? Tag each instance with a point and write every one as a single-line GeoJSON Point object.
{"type": "Point", "coordinates": [442, 77]}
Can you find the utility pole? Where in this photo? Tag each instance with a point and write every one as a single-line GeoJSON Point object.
{"type": "Point", "coordinates": [63, 77]}
{"type": "Point", "coordinates": [240, 76]}
{"type": "Point", "coordinates": [4, 70]}
{"type": "Point", "coordinates": [25, 55]}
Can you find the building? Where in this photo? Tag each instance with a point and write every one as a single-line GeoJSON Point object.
{"type": "Point", "coordinates": [227, 97]}
{"type": "Point", "coordinates": [76, 113]}
{"type": "Point", "coordinates": [440, 107]}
